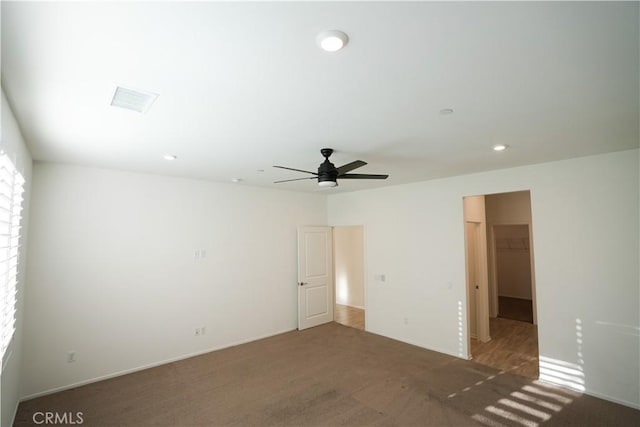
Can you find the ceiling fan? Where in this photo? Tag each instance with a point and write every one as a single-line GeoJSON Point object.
{"type": "Point", "coordinates": [328, 174]}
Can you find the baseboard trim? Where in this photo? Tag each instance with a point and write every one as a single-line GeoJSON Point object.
{"type": "Point", "coordinates": [351, 305]}
{"type": "Point", "coordinates": [509, 296]}
{"type": "Point", "coordinates": [15, 412]}
{"type": "Point", "coordinates": [148, 366]}
{"type": "Point", "coordinates": [437, 350]}
{"type": "Point", "coordinates": [587, 392]}
{"type": "Point", "coordinates": [284, 331]}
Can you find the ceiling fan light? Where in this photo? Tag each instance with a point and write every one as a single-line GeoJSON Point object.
{"type": "Point", "coordinates": [327, 183]}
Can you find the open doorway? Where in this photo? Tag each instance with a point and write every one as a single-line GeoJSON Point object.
{"type": "Point", "coordinates": [508, 303]}
{"type": "Point", "coordinates": [513, 272]}
{"type": "Point", "coordinates": [348, 252]}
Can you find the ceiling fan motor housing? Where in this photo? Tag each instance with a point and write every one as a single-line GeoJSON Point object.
{"type": "Point", "coordinates": [327, 172]}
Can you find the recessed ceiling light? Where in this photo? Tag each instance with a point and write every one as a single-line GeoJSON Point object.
{"type": "Point", "coordinates": [169, 157]}
{"type": "Point", "coordinates": [236, 180]}
{"type": "Point", "coordinates": [446, 111]}
{"type": "Point", "coordinates": [332, 40]}
{"type": "Point", "coordinates": [500, 147]}
{"type": "Point", "coordinates": [131, 99]}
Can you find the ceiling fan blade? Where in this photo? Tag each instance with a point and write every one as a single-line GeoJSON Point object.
{"type": "Point", "coordinates": [362, 176]}
{"type": "Point", "coordinates": [295, 179]}
{"type": "Point", "coordinates": [292, 169]}
{"type": "Point", "coordinates": [351, 166]}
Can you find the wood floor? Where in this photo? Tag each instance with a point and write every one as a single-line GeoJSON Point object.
{"type": "Point", "coordinates": [330, 375]}
{"type": "Point", "coordinates": [349, 316]}
{"type": "Point", "coordinates": [513, 347]}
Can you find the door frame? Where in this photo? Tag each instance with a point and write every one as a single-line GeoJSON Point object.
{"type": "Point", "coordinates": [474, 211]}
{"type": "Point", "coordinates": [332, 267]}
{"type": "Point", "coordinates": [482, 296]}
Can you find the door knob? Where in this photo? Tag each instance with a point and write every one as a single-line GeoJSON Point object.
{"type": "Point", "coordinates": [303, 283]}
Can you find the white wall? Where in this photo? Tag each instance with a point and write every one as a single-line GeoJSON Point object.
{"type": "Point", "coordinates": [13, 144]}
{"type": "Point", "coordinates": [112, 274]}
{"type": "Point", "coordinates": [348, 254]}
{"type": "Point", "coordinates": [513, 261]}
{"type": "Point", "coordinates": [586, 216]}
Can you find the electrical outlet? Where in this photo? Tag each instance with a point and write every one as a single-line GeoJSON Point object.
{"type": "Point", "coordinates": [71, 357]}
{"type": "Point", "coordinates": [203, 330]}
{"type": "Point", "coordinates": [406, 321]}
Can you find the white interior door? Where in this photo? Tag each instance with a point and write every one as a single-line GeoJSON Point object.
{"type": "Point", "coordinates": [315, 276]}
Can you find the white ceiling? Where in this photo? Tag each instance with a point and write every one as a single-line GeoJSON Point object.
{"type": "Point", "coordinates": [243, 86]}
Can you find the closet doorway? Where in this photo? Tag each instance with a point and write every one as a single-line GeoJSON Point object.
{"type": "Point", "coordinates": [513, 283]}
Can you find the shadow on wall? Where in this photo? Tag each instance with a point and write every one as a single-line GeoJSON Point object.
{"type": "Point", "coordinates": [561, 383]}
{"type": "Point", "coordinates": [573, 375]}
{"type": "Point", "coordinates": [563, 373]}
{"type": "Point", "coordinates": [542, 401]}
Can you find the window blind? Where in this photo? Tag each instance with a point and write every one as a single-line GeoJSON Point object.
{"type": "Point", "coordinates": [11, 190]}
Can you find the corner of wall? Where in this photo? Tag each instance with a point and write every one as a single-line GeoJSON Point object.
{"type": "Point", "coordinates": [14, 145]}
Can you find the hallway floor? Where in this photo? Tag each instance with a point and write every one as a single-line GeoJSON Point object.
{"type": "Point", "coordinates": [513, 347]}
{"type": "Point", "coordinates": [349, 316]}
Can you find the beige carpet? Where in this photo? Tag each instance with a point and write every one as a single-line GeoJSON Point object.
{"type": "Point", "coordinates": [325, 376]}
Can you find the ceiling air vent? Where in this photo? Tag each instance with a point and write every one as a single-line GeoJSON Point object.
{"type": "Point", "coordinates": [133, 99]}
